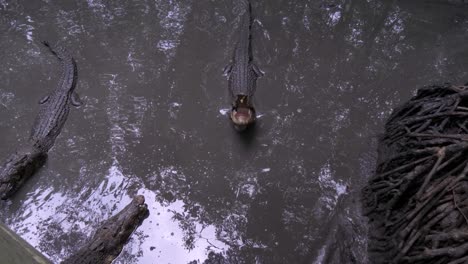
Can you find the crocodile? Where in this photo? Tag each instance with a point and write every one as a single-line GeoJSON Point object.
{"type": "Point", "coordinates": [55, 107]}
{"type": "Point", "coordinates": [242, 73]}
{"type": "Point", "coordinates": [111, 236]}
{"type": "Point", "coordinates": [52, 115]}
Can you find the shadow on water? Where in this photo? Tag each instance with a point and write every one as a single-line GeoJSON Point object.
{"type": "Point", "coordinates": [248, 135]}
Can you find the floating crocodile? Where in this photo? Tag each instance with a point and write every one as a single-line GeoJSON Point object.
{"type": "Point", "coordinates": [242, 74]}
{"type": "Point", "coordinates": [55, 107]}
{"type": "Point", "coordinates": [111, 236]}
{"type": "Point", "coordinates": [48, 124]}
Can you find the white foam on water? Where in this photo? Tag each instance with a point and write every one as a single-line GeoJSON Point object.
{"type": "Point", "coordinates": [224, 111]}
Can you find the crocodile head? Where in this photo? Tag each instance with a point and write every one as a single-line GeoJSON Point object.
{"type": "Point", "coordinates": [242, 113]}
{"type": "Point", "coordinates": [18, 168]}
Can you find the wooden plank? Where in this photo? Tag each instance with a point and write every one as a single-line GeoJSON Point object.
{"type": "Point", "coordinates": [15, 250]}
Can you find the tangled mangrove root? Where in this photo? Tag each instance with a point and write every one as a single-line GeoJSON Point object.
{"type": "Point", "coordinates": [417, 201]}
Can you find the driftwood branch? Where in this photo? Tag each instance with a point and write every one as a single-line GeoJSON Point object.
{"type": "Point", "coordinates": [109, 239]}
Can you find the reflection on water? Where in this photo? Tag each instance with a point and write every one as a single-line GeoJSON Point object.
{"type": "Point", "coordinates": [154, 121]}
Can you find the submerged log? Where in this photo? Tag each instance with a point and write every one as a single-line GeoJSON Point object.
{"type": "Point", "coordinates": [19, 167]}
{"type": "Point", "coordinates": [112, 235]}
{"type": "Point", "coordinates": [417, 201]}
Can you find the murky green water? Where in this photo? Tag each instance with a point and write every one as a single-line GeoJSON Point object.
{"type": "Point", "coordinates": [153, 123]}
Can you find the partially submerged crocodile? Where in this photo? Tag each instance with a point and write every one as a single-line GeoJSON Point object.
{"type": "Point", "coordinates": [55, 107]}
{"type": "Point", "coordinates": [49, 122]}
{"type": "Point", "coordinates": [242, 74]}
{"type": "Point", "coordinates": [111, 236]}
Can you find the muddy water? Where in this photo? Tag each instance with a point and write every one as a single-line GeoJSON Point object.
{"type": "Point", "coordinates": [153, 122]}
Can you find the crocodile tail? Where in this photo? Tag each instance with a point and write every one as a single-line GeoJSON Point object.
{"type": "Point", "coordinates": [249, 14]}
{"type": "Point", "coordinates": [60, 52]}
{"type": "Point", "coordinates": [70, 72]}
{"type": "Point", "coordinates": [246, 13]}
{"type": "Point", "coordinates": [246, 23]}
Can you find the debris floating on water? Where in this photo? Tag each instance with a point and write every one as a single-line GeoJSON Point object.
{"type": "Point", "coordinates": [224, 111]}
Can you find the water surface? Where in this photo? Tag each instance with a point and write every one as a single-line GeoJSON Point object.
{"type": "Point", "coordinates": [153, 123]}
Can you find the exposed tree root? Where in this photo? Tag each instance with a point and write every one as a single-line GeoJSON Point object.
{"type": "Point", "coordinates": [417, 202]}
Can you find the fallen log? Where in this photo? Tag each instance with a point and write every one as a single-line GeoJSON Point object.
{"type": "Point", "coordinates": [112, 235]}
{"type": "Point", "coordinates": [18, 168]}
{"type": "Point", "coordinates": [417, 201]}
